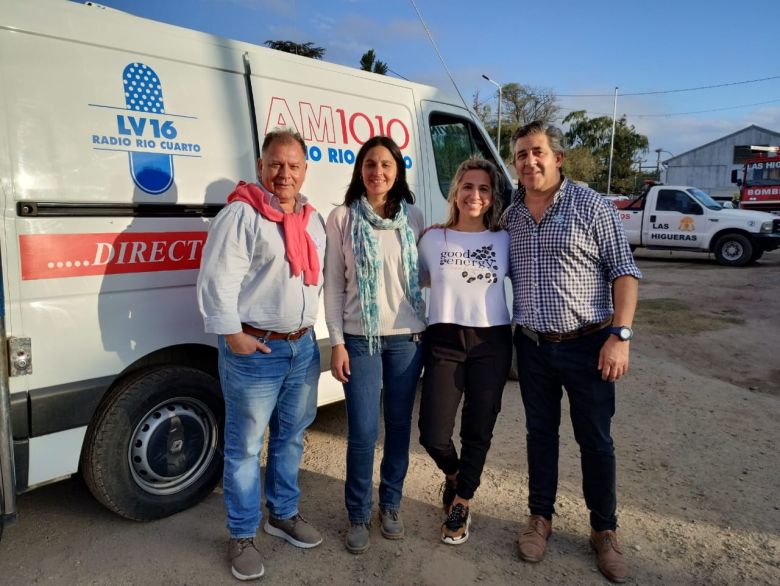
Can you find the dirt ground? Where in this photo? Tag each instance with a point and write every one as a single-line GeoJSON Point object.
{"type": "Point", "coordinates": [696, 434]}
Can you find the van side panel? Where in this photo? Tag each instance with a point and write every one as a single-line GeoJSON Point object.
{"type": "Point", "coordinates": [119, 139]}
{"type": "Point", "coordinates": [122, 285]}
{"type": "Point", "coordinates": [335, 123]}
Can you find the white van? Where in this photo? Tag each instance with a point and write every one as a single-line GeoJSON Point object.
{"type": "Point", "coordinates": [119, 139]}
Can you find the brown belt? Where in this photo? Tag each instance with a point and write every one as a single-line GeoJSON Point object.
{"type": "Point", "coordinates": [561, 337]}
{"type": "Point", "coordinates": [269, 335]}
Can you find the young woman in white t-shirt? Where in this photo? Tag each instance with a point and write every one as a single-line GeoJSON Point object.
{"type": "Point", "coordinates": [468, 343]}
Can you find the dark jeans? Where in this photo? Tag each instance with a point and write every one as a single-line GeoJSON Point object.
{"type": "Point", "coordinates": [543, 370]}
{"type": "Point", "coordinates": [472, 364]}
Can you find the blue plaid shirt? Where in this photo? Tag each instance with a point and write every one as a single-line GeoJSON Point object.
{"type": "Point", "coordinates": [562, 268]}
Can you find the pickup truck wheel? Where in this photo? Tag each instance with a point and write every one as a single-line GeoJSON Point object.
{"type": "Point", "coordinates": [733, 250]}
{"type": "Point", "coordinates": [154, 447]}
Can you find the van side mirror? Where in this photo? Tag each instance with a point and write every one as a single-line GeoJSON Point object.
{"type": "Point", "coordinates": [734, 178]}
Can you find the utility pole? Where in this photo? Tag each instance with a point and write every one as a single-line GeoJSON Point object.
{"type": "Point", "coordinates": [612, 142]}
{"type": "Point", "coordinates": [658, 162]}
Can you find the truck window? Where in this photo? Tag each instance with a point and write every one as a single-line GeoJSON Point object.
{"type": "Point", "coordinates": [672, 200]}
{"type": "Point", "coordinates": [765, 172]}
{"type": "Point", "coordinates": [454, 140]}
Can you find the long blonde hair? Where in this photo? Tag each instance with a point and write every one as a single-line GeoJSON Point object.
{"type": "Point", "coordinates": [492, 216]}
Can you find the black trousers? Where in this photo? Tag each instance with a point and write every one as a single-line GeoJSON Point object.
{"type": "Point", "coordinates": [544, 370]}
{"type": "Point", "coordinates": [470, 364]}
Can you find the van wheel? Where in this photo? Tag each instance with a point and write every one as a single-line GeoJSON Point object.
{"type": "Point", "coordinates": [733, 250]}
{"type": "Point", "coordinates": [154, 446]}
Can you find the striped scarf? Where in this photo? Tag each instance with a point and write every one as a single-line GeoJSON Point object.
{"type": "Point", "coordinates": [368, 264]}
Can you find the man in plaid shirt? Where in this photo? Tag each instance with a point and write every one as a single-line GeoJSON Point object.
{"type": "Point", "coordinates": [575, 291]}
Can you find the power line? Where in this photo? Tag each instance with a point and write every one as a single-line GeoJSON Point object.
{"type": "Point", "coordinates": [704, 111]}
{"type": "Point", "coordinates": [668, 114]}
{"type": "Point", "coordinates": [441, 58]}
{"type": "Point", "coordinates": [675, 91]}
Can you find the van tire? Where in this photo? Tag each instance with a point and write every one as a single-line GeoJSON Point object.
{"type": "Point", "coordinates": [733, 250]}
{"type": "Point", "coordinates": [173, 416]}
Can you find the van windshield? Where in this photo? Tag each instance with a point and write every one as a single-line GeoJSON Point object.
{"type": "Point", "coordinates": [704, 199]}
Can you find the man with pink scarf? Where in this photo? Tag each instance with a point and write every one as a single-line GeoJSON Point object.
{"type": "Point", "coordinates": [258, 289]}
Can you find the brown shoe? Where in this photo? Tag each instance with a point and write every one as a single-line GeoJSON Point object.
{"type": "Point", "coordinates": [533, 540]}
{"type": "Point", "coordinates": [610, 560]}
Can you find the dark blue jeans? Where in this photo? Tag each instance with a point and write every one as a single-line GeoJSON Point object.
{"type": "Point", "coordinates": [398, 367]}
{"type": "Point", "coordinates": [543, 371]}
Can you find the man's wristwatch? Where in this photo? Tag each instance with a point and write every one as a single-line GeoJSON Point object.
{"type": "Point", "coordinates": [624, 333]}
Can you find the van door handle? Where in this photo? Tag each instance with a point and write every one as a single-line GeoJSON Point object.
{"type": "Point", "coordinates": [714, 220]}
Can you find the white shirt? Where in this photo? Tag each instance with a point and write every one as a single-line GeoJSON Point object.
{"type": "Point", "coordinates": [245, 276]}
{"type": "Point", "coordinates": [465, 271]}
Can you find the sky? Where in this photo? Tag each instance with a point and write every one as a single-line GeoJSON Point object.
{"type": "Point", "coordinates": [566, 46]}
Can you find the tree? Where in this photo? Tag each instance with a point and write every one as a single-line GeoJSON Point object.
{"type": "Point", "coordinates": [580, 165]}
{"type": "Point", "coordinates": [369, 62]}
{"type": "Point", "coordinates": [302, 49]}
{"type": "Point", "coordinates": [482, 109]}
{"type": "Point", "coordinates": [519, 105]}
{"type": "Point", "coordinates": [523, 104]}
{"type": "Point", "coordinates": [594, 135]}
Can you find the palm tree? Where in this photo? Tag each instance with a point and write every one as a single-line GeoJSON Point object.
{"type": "Point", "coordinates": [369, 62]}
{"type": "Point", "coordinates": [302, 49]}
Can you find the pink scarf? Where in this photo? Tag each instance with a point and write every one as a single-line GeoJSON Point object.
{"type": "Point", "coordinates": [300, 248]}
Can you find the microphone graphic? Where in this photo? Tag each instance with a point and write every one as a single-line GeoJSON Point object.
{"type": "Point", "coordinates": [151, 172]}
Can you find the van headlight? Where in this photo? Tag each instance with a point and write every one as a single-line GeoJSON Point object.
{"type": "Point", "coordinates": [766, 227]}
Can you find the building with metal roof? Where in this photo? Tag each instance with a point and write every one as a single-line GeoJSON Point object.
{"type": "Point", "coordinates": [709, 166]}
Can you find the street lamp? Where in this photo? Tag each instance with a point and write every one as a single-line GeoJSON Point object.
{"type": "Point", "coordinates": [498, 132]}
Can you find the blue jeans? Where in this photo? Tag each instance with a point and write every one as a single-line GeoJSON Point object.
{"type": "Point", "coordinates": [398, 366]}
{"type": "Point", "coordinates": [543, 370]}
{"type": "Point", "coordinates": [278, 390]}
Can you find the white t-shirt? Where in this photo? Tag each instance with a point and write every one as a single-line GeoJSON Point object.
{"type": "Point", "coordinates": [465, 271]}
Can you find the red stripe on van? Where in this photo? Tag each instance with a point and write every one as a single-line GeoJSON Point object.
{"type": "Point", "coordinates": [56, 256]}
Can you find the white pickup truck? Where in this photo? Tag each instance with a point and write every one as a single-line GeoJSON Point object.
{"type": "Point", "coordinates": [680, 217]}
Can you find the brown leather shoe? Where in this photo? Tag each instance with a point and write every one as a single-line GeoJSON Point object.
{"type": "Point", "coordinates": [533, 539]}
{"type": "Point", "coordinates": [610, 560]}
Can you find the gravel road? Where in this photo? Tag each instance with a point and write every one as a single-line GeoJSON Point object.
{"type": "Point", "coordinates": [696, 435]}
